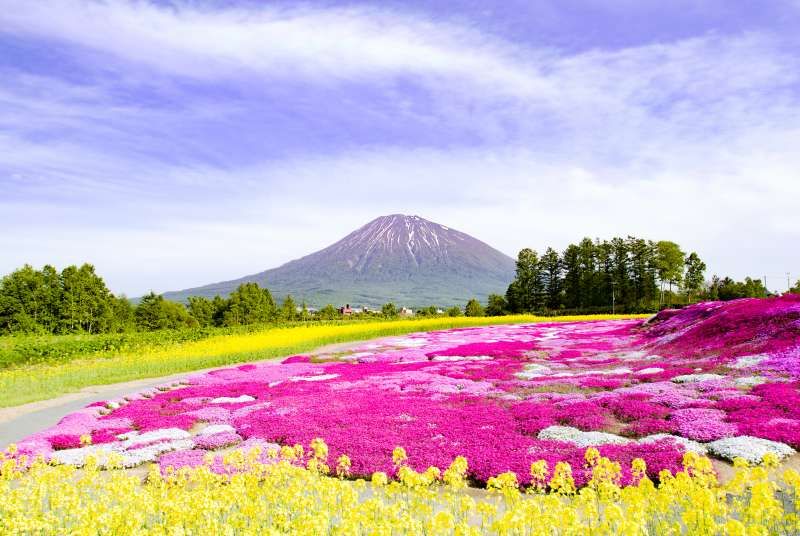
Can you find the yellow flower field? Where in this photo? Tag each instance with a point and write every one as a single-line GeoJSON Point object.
{"type": "Point", "coordinates": [294, 491]}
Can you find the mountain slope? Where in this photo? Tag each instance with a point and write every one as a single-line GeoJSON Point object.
{"type": "Point", "coordinates": [405, 259]}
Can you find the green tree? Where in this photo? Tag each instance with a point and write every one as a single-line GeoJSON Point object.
{"type": "Point", "coordinates": [86, 303]}
{"type": "Point", "coordinates": [249, 304]}
{"type": "Point", "coordinates": [669, 264]}
{"type": "Point", "coordinates": [496, 306]}
{"type": "Point", "coordinates": [122, 315]}
{"type": "Point", "coordinates": [329, 312]}
{"type": "Point", "coordinates": [389, 310]}
{"type": "Point", "coordinates": [304, 314]}
{"type": "Point", "coordinates": [202, 309]}
{"type": "Point", "coordinates": [288, 309]}
{"type": "Point", "coordinates": [454, 311]}
{"type": "Point", "coordinates": [473, 308]}
{"type": "Point", "coordinates": [573, 276]}
{"type": "Point", "coordinates": [529, 289]}
{"type": "Point", "coordinates": [695, 275]}
{"type": "Point", "coordinates": [796, 288]}
{"type": "Point", "coordinates": [550, 269]}
{"type": "Point", "coordinates": [154, 312]}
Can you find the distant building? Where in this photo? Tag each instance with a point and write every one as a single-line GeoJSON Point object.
{"type": "Point", "coordinates": [346, 310]}
{"type": "Point", "coordinates": [405, 311]}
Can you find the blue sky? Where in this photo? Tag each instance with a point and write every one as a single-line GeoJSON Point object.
{"type": "Point", "coordinates": [177, 143]}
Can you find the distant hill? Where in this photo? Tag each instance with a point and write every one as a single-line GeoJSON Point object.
{"type": "Point", "coordinates": [405, 259]}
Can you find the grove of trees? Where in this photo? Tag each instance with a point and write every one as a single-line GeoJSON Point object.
{"type": "Point", "coordinates": [622, 274]}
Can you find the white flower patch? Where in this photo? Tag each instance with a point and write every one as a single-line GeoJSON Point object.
{"type": "Point", "coordinates": [748, 361]}
{"type": "Point", "coordinates": [687, 444]}
{"type": "Point", "coordinates": [650, 370]}
{"type": "Point", "coordinates": [749, 381]}
{"type": "Point", "coordinates": [695, 378]}
{"type": "Point", "coordinates": [317, 378]}
{"type": "Point", "coordinates": [610, 372]}
{"type": "Point", "coordinates": [410, 343]}
{"type": "Point", "coordinates": [581, 438]}
{"type": "Point", "coordinates": [216, 429]}
{"type": "Point", "coordinates": [275, 383]}
{"type": "Point", "coordinates": [750, 448]}
{"type": "Point", "coordinates": [231, 400]}
{"type": "Point", "coordinates": [77, 457]}
{"type": "Point", "coordinates": [462, 358]}
{"type": "Point", "coordinates": [132, 458]}
{"type": "Point", "coordinates": [164, 434]}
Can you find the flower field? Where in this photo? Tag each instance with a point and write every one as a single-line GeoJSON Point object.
{"type": "Point", "coordinates": [43, 369]}
{"type": "Point", "coordinates": [521, 403]}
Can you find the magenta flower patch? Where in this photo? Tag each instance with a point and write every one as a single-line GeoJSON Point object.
{"type": "Point", "coordinates": [707, 372]}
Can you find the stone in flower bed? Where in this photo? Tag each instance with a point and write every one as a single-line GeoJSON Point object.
{"type": "Point", "coordinates": [577, 437]}
{"type": "Point", "coordinates": [687, 444]}
{"type": "Point", "coordinates": [750, 448]}
{"type": "Point", "coordinates": [695, 378]}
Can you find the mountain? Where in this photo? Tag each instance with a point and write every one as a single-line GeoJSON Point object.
{"type": "Point", "coordinates": [405, 259]}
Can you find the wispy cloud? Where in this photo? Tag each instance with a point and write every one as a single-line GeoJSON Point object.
{"type": "Point", "coordinates": [190, 125]}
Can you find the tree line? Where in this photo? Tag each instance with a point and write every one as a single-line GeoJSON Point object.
{"type": "Point", "coordinates": [621, 275]}
{"type": "Point", "coordinates": [76, 300]}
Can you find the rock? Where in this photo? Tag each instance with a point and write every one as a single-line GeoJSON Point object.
{"type": "Point", "coordinates": [694, 378]}
{"type": "Point", "coordinates": [687, 444]}
{"type": "Point", "coordinates": [750, 448]}
{"type": "Point", "coordinates": [581, 438]}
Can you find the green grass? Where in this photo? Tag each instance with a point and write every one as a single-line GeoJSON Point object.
{"type": "Point", "coordinates": [166, 354]}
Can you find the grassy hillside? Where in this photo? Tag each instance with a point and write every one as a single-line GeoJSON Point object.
{"type": "Point", "coordinates": [166, 353]}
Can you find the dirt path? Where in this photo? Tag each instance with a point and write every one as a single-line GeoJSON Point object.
{"type": "Point", "coordinates": [18, 422]}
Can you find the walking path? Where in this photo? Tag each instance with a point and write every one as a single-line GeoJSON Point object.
{"type": "Point", "coordinates": [18, 422]}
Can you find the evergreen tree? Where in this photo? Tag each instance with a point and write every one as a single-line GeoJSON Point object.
{"type": "Point", "coordinates": [529, 289]}
{"type": "Point", "coordinates": [550, 268]}
{"type": "Point", "coordinates": [473, 308]}
{"type": "Point", "coordinates": [154, 312]}
{"type": "Point", "coordinates": [573, 276]}
{"type": "Point", "coordinates": [288, 309]}
{"type": "Point", "coordinates": [496, 306]}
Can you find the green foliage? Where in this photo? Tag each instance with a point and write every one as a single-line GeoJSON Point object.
{"type": "Point", "coordinates": [46, 301]}
{"type": "Point", "coordinates": [454, 311]}
{"type": "Point", "coordinates": [154, 312]}
{"type": "Point", "coordinates": [203, 310]}
{"type": "Point", "coordinates": [497, 305]}
{"type": "Point", "coordinates": [288, 310]}
{"type": "Point", "coordinates": [796, 288]}
{"type": "Point", "coordinates": [249, 304]}
{"type": "Point", "coordinates": [473, 308]}
{"type": "Point", "coordinates": [428, 312]}
{"type": "Point", "coordinates": [329, 312]}
{"type": "Point", "coordinates": [389, 310]}
{"type": "Point", "coordinates": [596, 276]}
{"type": "Point", "coordinates": [694, 279]}
{"type": "Point", "coordinates": [728, 289]}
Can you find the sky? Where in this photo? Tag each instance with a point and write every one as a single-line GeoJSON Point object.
{"type": "Point", "coordinates": [174, 144]}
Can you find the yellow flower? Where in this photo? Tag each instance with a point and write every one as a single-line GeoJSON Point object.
{"type": "Point", "coordinates": [399, 456]}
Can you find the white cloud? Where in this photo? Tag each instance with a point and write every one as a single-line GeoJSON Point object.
{"type": "Point", "coordinates": [694, 141]}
